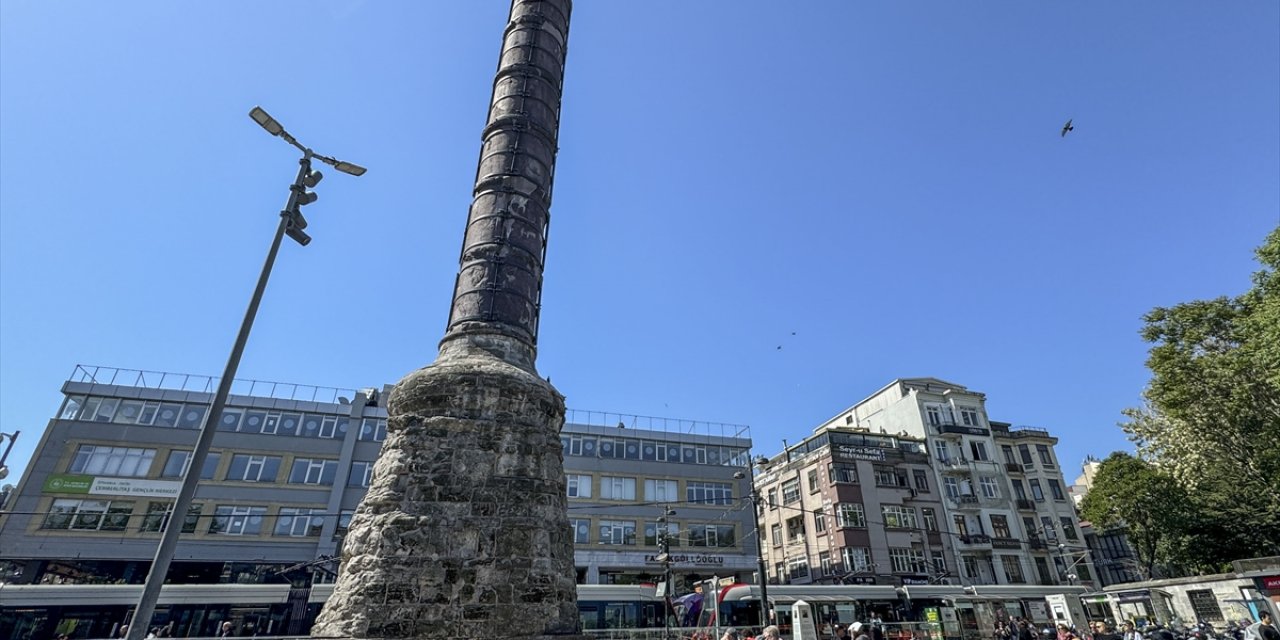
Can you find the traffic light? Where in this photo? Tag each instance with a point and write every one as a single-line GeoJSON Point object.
{"type": "Point", "coordinates": [295, 221]}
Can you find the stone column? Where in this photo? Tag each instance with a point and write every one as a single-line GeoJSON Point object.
{"type": "Point", "coordinates": [464, 532]}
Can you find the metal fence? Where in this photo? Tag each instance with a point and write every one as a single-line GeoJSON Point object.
{"type": "Point", "coordinates": [92, 374]}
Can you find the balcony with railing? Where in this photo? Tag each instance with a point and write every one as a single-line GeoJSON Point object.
{"type": "Point", "coordinates": [953, 428]}
{"type": "Point", "coordinates": [965, 501]}
{"type": "Point", "coordinates": [1036, 543]}
{"type": "Point", "coordinates": [977, 540]}
{"type": "Point", "coordinates": [1013, 467]}
{"type": "Point", "coordinates": [953, 465]}
{"type": "Point", "coordinates": [1024, 504]}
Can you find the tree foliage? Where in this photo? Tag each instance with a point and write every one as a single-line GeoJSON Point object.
{"type": "Point", "coordinates": [1212, 414]}
{"type": "Point", "coordinates": [1152, 507]}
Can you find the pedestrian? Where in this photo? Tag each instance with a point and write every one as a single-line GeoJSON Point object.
{"type": "Point", "coordinates": [1025, 632]}
{"type": "Point", "coordinates": [1130, 632]}
{"type": "Point", "coordinates": [1065, 632]}
{"type": "Point", "coordinates": [227, 630]}
{"type": "Point", "coordinates": [877, 627]}
{"type": "Point", "coordinates": [1263, 629]}
{"type": "Point", "coordinates": [771, 632]}
{"type": "Point", "coordinates": [730, 634]}
{"type": "Point", "coordinates": [858, 630]}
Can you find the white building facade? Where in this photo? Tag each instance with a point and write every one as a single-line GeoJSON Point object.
{"type": "Point", "coordinates": [1009, 518]}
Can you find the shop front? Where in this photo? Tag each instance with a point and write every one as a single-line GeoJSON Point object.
{"type": "Point", "coordinates": [1144, 606]}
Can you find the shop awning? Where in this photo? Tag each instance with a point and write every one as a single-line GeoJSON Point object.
{"type": "Point", "coordinates": [933, 591]}
{"type": "Point", "coordinates": [864, 592]}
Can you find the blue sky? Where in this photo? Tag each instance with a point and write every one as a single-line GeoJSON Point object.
{"type": "Point", "coordinates": [884, 179]}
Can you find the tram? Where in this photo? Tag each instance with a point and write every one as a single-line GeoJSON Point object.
{"type": "Point", "coordinates": [931, 612]}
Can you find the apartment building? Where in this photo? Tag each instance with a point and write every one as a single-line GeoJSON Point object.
{"type": "Point", "coordinates": [1007, 517]}
{"type": "Point", "coordinates": [846, 506]}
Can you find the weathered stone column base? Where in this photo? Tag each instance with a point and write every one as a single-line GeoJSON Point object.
{"type": "Point", "coordinates": [464, 531]}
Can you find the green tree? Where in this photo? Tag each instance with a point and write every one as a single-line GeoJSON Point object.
{"type": "Point", "coordinates": [1212, 411]}
{"type": "Point", "coordinates": [1149, 504]}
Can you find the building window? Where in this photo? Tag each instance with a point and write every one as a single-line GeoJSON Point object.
{"type": "Point", "coordinates": [1042, 570]}
{"type": "Point", "coordinates": [653, 531]}
{"type": "Point", "coordinates": [940, 450]}
{"type": "Point", "coordinates": [1069, 528]}
{"type": "Point", "coordinates": [1000, 526]}
{"type": "Point", "coordinates": [129, 462]}
{"type": "Point", "coordinates": [795, 528]}
{"type": "Point", "coordinates": [1025, 452]}
{"type": "Point", "coordinates": [178, 462]}
{"type": "Point", "coordinates": [979, 450]}
{"type": "Point", "coordinates": [922, 480]}
{"type": "Point", "coordinates": [844, 473]}
{"type": "Point", "coordinates": [856, 559]}
{"type": "Point", "coordinates": [712, 535]}
{"type": "Point", "coordinates": [361, 474]}
{"type": "Point", "coordinates": [951, 487]}
{"type": "Point", "coordinates": [773, 499]}
{"type": "Point", "coordinates": [313, 471]}
{"type": "Point", "coordinates": [930, 520]}
{"type": "Point", "coordinates": [988, 486]}
{"type": "Point", "coordinates": [1036, 491]}
{"type": "Point", "coordinates": [247, 468]}
{"type": "Point", "coordinates": [824, 561]}
{"type": "Point", "coordinates": [819, 522]}
{"type": "Point", "coordinates": [1013, 569]}
{"type": "Point", "coordinates": [906, 560]}
{"type": "Point", "coordinates": [850, 514]}
{"type": "Point", "coordinates": [299, 523]}
{"type": "Point", "coordinates": [622, 532]}
{"type": "Point", "coordinates": [798, 568]}
{"type": "Point", "coordinates": [970, 565]}
{"type": "Point", "coordinates": [659, 491]}
{"type": "Point", "coordinates": [961, 524]}
{"type": "Point", "coordinates": [344, 525]}
{"type": "Point", "coordinates": [888, 477]}
{"type": "Point", "coordinates": [1055, 488]}
{"type": "Point", "coordinates": [1050, 531]}
{"type": "Point", "coordinates": [373, 429]}
{"type": "Point", "coordinates": [812, 475]}
{"type": "Point", "coordinates": [934, 413]}
{"type": "Point", "coordinates": [618, 488]}
{"type": "Point", "coordinates": [158, 513]}
{"type": "Point", "coordinates": [238, 521]}
{"type": "Point", "coordinates": [776, 534]}
{"type": "Point", "coordinates": [780, 570]}
{"type": "Point", "coordinates": [969, 416]}
{"type": "Point", "coordinates": [709, 492]}
{"type": "Point", "coordinates": [791, 491]}
{"type": "Point", "coordinates": [898, 517]}
{"type": "Point", "coordinates": [88, 515]}
{"type": "Point", "coordinates": [581, 528]}
{"type": "Point", "coordinates": [939, 563]}
{"type": "Point", "coordinates": [1018, 491]}
{"type": "Point", "coordinates": [1007, 452]}
{"type": "Point", "coordinates": [1046, 458]}
{"type": "Point", "coordinates": [578, 486]}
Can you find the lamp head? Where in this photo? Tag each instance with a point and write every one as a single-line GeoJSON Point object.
{"type": "Point", "coordinates": [265, 121]}
{"type": "Point", "coordinates": [350, 169]}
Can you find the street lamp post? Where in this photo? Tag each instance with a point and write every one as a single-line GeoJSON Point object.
{"type": "Point", "coordinates": [291, 223]}
{"type": "Point", "coordinates": [765, 609]}
{"type": "Point", "coordinates": [13, 437]}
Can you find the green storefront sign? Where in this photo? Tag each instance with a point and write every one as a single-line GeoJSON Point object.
{"type": "Point", "coordinates": [67, 483]}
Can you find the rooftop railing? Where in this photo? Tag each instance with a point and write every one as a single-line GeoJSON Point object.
{"type": "Point", "coordinates": [91, 374]}
{"type": "Point", "coordinates": [655, 423]}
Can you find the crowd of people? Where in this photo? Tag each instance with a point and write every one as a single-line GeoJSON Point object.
{"type": "Point", "coordinates": [1023, 629]}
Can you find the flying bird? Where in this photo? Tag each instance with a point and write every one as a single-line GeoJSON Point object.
{"type": "Point", "coordinates": [1067, 127]}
